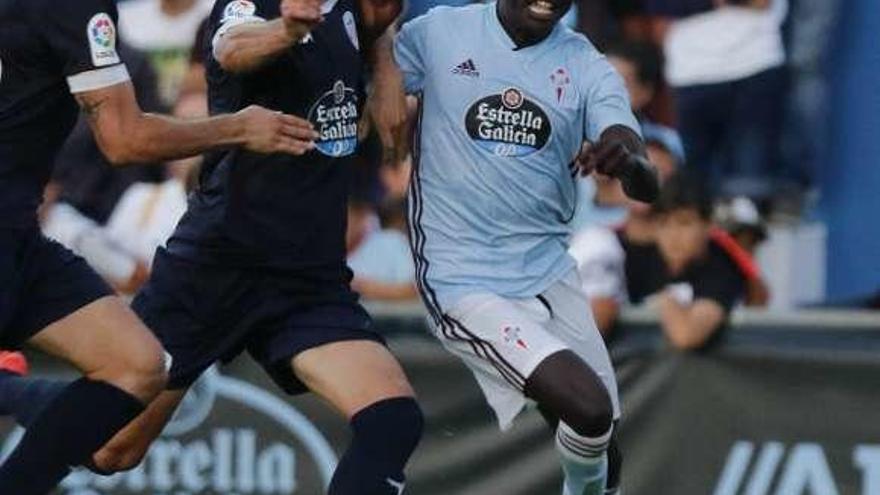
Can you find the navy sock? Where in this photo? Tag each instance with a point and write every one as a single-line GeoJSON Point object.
{"type": "Point", "coordinates": [24, 398]}
{"type": "Point", "coordinates": [385, 435]}
{"type": "Point", "coordinates": [82, 418]}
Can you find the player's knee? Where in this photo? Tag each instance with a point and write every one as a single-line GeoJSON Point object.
{"type": "Point", "coordinates": [140, 371]}
{"type": "Point", "coordinates": [591, 416]}
{"type": "Point", "coordinates": [397, 424]}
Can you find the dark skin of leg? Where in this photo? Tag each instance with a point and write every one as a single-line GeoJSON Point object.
{"type": "Point", "coordinates": [553, 384]}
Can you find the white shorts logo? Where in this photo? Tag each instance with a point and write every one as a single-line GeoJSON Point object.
{"type": "Point", "coordinates": [101, 33]}
{"type": "Point", "coordinates": [239, 9]}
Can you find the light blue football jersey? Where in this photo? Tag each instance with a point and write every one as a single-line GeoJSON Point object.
{"type": "Point", "coordinates": [493, 188]}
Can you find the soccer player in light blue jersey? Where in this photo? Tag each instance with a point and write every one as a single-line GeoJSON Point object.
{"type": "Point", "coordinates": [514, 106]}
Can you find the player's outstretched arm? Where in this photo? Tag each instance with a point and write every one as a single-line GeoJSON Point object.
{"type": "Point", "coordinates": [620, 153]}
{"type": "Point", "coordinates": [246, 47]}
{"type": "Point", "coordinates": [125, 134]}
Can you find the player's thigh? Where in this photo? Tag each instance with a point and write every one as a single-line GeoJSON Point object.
{"type": "Point", "coordinates": [129, 446]}
{"type": "Point", "coordinates": [106, 341]}
{"type": "Point", "coordinates": [573, 324]}
{"type": "Point", "coordinates": [498, 335]}
{"type": "Point", "coordinates": [352, 374]}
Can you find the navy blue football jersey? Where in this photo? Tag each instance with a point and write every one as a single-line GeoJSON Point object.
{"type": "Point", "coordinates": [278, 210]}
{"type": "Point", "coordinates": [48, 50]}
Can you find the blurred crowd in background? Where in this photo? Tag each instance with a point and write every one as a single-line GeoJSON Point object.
{"type": "Point", "coordinates": [732, 97]}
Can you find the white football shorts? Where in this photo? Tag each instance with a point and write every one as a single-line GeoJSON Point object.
{"type": "Point", "coordinates": [502, 340]}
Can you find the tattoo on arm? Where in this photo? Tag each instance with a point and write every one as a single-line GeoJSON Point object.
{"type": "Point", "coordinates": [91, 106]}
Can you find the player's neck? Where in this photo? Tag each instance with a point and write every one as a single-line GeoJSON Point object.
{"type": "Point", "coordinates": [521, 37]}
{"type": "Point", "coordinates": [176, 7]}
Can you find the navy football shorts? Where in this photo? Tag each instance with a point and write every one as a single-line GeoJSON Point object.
{"type": "Point", "coordinates": [207, 313]}
{"type": "Point", "coordinates": [41, 282]}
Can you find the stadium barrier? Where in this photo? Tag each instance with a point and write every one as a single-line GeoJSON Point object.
{"type": "Point", "coordinates": [782, 405]}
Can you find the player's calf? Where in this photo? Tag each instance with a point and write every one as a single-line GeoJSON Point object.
{"type": "Point", "coordinates": [385, 435]}
{"type": "Point", "coordinates": [569, 389]}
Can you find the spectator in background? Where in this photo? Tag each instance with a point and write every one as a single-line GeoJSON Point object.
{"type": "Point", "coordinates": [741, 231]}
{"type": "Point", "coordinates": [621, 266]}
{"type": "Point", "coordinates": [122, 250]}
{"type": "Point", "coordinates": [640, 64]}
{"type": "Point", "coordinates": [702, 282]}
{"type": "Point", "coordinates": [740, 218]}
{"type": "Point", "coordinates": [82, 177]}
{"type": "Point", "coordinates": [382, 262]}
{"type": "Point", "coordinates": [164, 30]}
{"type": "Point", "coordinates": [727, 70]}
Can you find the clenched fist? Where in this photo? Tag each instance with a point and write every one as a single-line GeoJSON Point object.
{"type": "Point", "coordinates": [301, 16]}
{"type": "Point", "coordinates": [266, 131]}
{"type": "Point", "coordinates": [618, 154]}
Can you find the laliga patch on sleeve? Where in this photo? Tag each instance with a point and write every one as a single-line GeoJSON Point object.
{"type": "Point", "coordinates": [239, 9]}
{"type": "Point", "coordinates": [102, 40]}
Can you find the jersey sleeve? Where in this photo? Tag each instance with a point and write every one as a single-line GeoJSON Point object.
{"type": "Point", "coordinates": [228, 14]}
{"type": "Point", "coordinates": [410, 50]}
{"type": "Point", "coordinates": [601, 262]}
{"type": "Point", "coordinates": [83, 36]}
{"type": "Point", "coordinates": [607, 100]}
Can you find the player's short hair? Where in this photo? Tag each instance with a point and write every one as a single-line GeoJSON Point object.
{"type": "Point", "coordinates": [684, 191]}
{"type": "Point", "coordinates": [644, 55]}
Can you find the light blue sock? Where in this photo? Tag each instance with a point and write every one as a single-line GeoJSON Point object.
{"type": "Point", "coordinates": [584, 461]}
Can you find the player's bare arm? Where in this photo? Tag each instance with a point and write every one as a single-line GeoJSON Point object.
{"type": "Point", "coordinates": [246, 47]}
{"type": "Point", "coordinates": [387, 103]}
{"type": "Point", "coordinates": [125, 134]}
{"type": "Point", "coordinates": [620, 153]}
{"type": "Point", "coordinates": [689, 327]}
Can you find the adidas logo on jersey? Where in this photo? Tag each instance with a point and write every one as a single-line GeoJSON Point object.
{"type": "Point", "coordinates": [466, 68]}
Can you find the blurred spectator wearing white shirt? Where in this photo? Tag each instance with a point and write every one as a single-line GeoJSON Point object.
{"type": "Point", "coordinates": [727, 70]}
{"type": "Point", "coordinates": [122, 250]}
{"type": "Point", "coordinates": [165, 30]}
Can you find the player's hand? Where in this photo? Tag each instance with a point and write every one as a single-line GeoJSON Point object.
{"type": "Point", "coordinates": [616, 155]}
{"type": "Point", "coordinates": [387, 107]}
{"type": "Point", "coordinates": [275, 132]}
{"type": "Point", "coordinates": [300, 16]}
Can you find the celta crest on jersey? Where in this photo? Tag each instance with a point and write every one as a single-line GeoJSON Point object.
{"type": "Point", "coordinates": [508, 124]}
{"type": "Point", "coordinates": [561, 80]}
{"type": "Point", "coordinates": [335, 117]}
{"type": "Point", "coordinates": [102, 40]}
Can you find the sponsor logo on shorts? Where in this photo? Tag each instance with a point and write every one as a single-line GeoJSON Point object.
{"type": "Point", "coordinates": [227, 437]}
{"type": "Point", "coordinates": [512, 337]}
{"type": "Point", "coordinates": [335, 117]}
{"type": "Point", "coordinates": [102, 40]}
{"type": "Point", "coordinates": [508, 124]}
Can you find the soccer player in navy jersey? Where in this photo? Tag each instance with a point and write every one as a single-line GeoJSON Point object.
{"type": "Point", "coordinates": [53, 56]}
